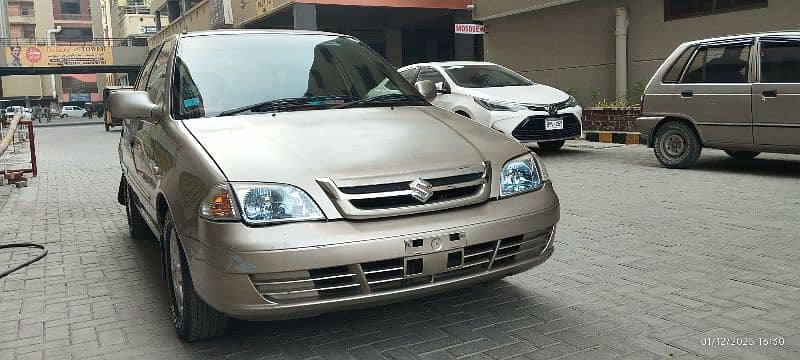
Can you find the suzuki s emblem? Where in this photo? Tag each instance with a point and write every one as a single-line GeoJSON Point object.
{"type": "Point", "coordinates": [552, 109]}
{"type": "Point", "coordinates": [421, 190]}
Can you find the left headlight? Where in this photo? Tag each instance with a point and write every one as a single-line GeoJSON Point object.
{"type": "Point", "coordinates": [263, 204]}
{"type": "Point", "coordinates": [521, 175]}
{"type": "Point", "coordinates": [572, 102]}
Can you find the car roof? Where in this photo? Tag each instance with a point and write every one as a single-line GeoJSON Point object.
{"type": "Point", "coordinates": [255, 31]}
{"type": "Point", "coordinates": [786, 33]}
{"type": "Point", "coordinates": [452, 63]}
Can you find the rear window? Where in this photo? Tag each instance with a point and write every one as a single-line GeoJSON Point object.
{"type": "Point", "coordinates": [674, 73]}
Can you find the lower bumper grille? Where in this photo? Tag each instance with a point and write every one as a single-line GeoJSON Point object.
{"type": "Point", "coordinates": [386, 275]}
{"type": "Point", "coordinates": [533, 129]}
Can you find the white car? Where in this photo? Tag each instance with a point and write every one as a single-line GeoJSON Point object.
{"type": "Point", "coordinates": [72, 111]}
{"type": "Point", "coordinates": [503, 100]}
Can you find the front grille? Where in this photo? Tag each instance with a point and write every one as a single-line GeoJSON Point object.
{"type": "Point", "coordinates": [390, 274]}
{"type": "Point", "coordinates": [532, 129]}
{"type": "Point", "coordinates": [370, 198]}
{"type": "Point", "coordinates": [559, 106]}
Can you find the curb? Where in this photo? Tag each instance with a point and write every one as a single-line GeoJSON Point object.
{"type": "Point", "coordinates": [614, 137]}
{"type": "Point", "coordinates": [55, 124]}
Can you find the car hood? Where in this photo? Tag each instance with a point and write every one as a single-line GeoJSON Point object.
{"type": "Point", "coordinates": [299, 147]}
{"type": "Point", "coordinates": [534, 94]}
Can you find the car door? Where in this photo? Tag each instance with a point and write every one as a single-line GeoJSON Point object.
{"type": "Point", "coordinates": [777, 93]}
{"type": "Point", "coordinates": [131, 131]}
{"type": "Point", "coordinates": [146, 143]}
{"type": "Point", "coordinates": [715, 92]}
{"type": "Point", "coordinates": [444, 99]}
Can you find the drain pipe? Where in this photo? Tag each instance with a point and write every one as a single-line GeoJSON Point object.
{"type": "Point", "coordinates": [53, 76]}
{"type": "Point", "coordinates": [622, 52]}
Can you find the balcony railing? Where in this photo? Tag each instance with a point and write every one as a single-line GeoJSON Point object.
{"type": "Point", "coordinates": [73, 41]}
{"type": "Point", "coordinates": [72, 17]}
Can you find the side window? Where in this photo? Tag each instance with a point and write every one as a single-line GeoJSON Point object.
{"type": "Point", "coordinates": [780, 62]}
{"type": "Point", "coordinates": [148, 66]}
{"type": "Point", "coordinates": [722, 64]}
{"type": "Point", "coordinates": [674, 74]}
{"type": "Point", "coordinates": [410, 74]}
{"type": "Point", "coordinates": [158, 75]}
{"type": "Point", "coordinates": [431, 74]}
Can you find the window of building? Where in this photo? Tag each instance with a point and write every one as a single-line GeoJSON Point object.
{"type": "Point", "coordinates": [70, 7]}
{"type": "Point", "coordinates": [721, 64]}
{"type": "Point", "coordinates": [780, 61]}
{"type": "Point", "coordinates": [679, 9]}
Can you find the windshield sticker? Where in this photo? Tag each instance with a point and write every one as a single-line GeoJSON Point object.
{"type": "Point", "coordinates": [190, 103]}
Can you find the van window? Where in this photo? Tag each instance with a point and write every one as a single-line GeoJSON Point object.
{"type": "Point", "coordinates": [780, 62]}
{"type": "Point", "coordinates": [674, 73]}
{"type": "Point", "coordinates": [722, 64]}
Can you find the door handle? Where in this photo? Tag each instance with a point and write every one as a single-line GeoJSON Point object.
{"type": "Point", "coordinates": [687, 93]}
{"type": "Point", "coordinates": [770, 94]}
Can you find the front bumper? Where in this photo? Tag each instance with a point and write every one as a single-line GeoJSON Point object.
{"type": "Point", "coordinates": [528, 126]}
{"type": "Point", "coordinates": [354, 264]}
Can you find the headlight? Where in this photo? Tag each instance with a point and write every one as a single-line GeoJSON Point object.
{"type": "Point", "coordinates": [492, 105]}
{"type": "Point", "coordinates": [521, 175]}
{"type": "Point", "coordinates": [572, 102]}
{"type": "Point", "coordinates": [274, 203]}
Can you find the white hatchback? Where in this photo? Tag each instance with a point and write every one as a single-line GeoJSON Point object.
{"type": "Point", "coordinates": [72, 111]}
{"type": "Point", "coordinates": [503, 100]}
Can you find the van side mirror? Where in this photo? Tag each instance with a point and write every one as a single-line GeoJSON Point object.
{"type": "Point", "coordinates": [427, 89]}
{"type": "Point", "coordinates": [131, 104]}
{"type": "Point", "coordinates": [442, 88]}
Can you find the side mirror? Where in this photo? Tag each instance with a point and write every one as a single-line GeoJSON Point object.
{"type": "Point", "coordinates": [442, 88]}
{"type": "Point", "coordinates": [427, 89]}
{"type": "Point", "coordinates": [130, 104]}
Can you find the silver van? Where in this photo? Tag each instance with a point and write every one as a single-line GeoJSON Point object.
{"type": "Point", "coordinates": [736, 93]}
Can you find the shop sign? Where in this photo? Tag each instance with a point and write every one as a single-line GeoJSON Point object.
{"type": "Point", "coordinates": [475, 29]}
{"type": "Point", "coordinates": [57, 55]}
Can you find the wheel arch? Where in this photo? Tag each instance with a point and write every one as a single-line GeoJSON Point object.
{"type": "Point", "coordinates": [670, 118]}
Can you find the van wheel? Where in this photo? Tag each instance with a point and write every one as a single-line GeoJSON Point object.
{"type": "Point", "coordinates": [742, 154]}
{"type": "Point", "coordinates": [677, 146]}
{"type": "Point", "coordinates": [136, 225]}
{"type": "Point", "coordinates": [551, 145]}
{"type": "Point", "coordinates": [193, 318]}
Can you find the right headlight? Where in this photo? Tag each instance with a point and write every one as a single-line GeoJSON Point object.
{"type": "Point", "coordinates": [259, 204]}
{"type": "Point", "coordinates": [522, 174]}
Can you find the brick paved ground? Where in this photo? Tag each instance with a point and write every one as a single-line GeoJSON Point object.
{"type": "Point", "coordinates": [649, 262]}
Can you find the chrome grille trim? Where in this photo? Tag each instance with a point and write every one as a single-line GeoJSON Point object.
{"type": "Point", "coordinates": [344, 202]}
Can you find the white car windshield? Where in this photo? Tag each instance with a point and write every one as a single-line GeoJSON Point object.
{"type": "Point", "coordinates": [484, 76]}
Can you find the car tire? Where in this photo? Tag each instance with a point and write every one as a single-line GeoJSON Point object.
{"type": "Point", "coordinates": [742, 154]}
{"type": "Point", "coordinates": [677, 146]}
{"type": "Point", "coordinates": [464, 114]}
{"type": "Point", "coordinates": [193, 318]}
{"type": "Point", "coordinates": [63, 115]}
{"type": "Point", "coordinates": [551, 145]}
{"type": "Point", "coordinates": [138, 228]}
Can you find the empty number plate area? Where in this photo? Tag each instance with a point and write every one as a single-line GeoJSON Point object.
{"type": "Point", "coordinates": [445, 261]}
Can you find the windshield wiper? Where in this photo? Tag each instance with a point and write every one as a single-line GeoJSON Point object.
{"type": "Point", "coordinates": [286, 104]}
{"type": "Point", "coordinates": [385, 98]}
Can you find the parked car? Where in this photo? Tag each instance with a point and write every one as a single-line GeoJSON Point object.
{"type": "Point", "coordinates": [735, 93]}
{"type": "Point", "coordinates": [292, 192]}
{"type": "Point", "coordinates": [503, 100]}
{"type": "Point", "coordinates": [73, 111]}
{"type": "Point", "coordinates": [16, 109]}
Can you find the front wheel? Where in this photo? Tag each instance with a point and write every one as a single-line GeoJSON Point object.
{"type": "Point", "coordinates": [63, 115]}
{"type": "Point", "coordinates": [192, 317]}
{"type": "Point", "coordinates": [677, 146]}
{"type": "Point", "coordinates": [551, 145]}
{"type": "Point", "coordinates": [742, 154]}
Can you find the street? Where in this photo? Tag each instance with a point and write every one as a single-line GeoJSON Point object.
{"type": "Point", "coordinates": [650, 263]}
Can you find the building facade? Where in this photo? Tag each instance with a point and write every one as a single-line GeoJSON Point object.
{"type": "Point", "coordinates": [575, 44]}
{"type": "Point", "coordinates": [403, 31]}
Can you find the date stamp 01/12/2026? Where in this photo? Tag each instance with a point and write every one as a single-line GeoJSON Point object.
{"type": "Point", "coordinates": [743, 341]}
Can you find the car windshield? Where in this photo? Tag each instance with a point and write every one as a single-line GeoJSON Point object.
{"type": "Point", "coordinates": [485, 76]}
{"type": "Point", "coordinates": [244, 73]}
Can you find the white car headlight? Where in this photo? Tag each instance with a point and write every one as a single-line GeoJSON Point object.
{"type": "Point", "coordinates": [522, 174]}
{"type": "Point", "coordinates": [493, 105]}
{"type": "Point", "coordinates": [571, 102]}
{"type": "Point", "coordinates": [263, 203]}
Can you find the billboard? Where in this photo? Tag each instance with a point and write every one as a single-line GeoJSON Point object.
{"type": "Point", "coordinates": [57, 55]}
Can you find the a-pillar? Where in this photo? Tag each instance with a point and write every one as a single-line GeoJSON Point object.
{"type": "Point", "coordinates": [305, 16]}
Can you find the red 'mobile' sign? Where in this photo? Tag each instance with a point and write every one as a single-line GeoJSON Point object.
{"type": "Point", "coordinates": [470, 29]}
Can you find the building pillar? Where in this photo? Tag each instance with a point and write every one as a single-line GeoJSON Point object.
{"type": "Point", "coordinates": [305, 16]}
{"type": "Point", "coordinates": [394, 47]}
{"type": "Point", "coordinates": [158, 21]}
{"type": "Point", "coordinates": [464, 44]}
{"type": "Point", "coordinates": [173, 10]}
